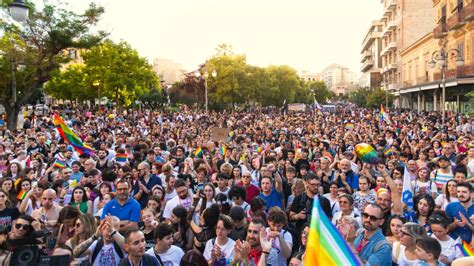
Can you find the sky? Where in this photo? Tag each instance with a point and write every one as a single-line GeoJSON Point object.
{"type": "Point", "coordinates": [304, 34]}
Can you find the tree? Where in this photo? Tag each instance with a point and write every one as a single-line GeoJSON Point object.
{"type": "Point", "coordinates": [378, 97]}
{"type": "Point", "coordinates": [40, 45]}
{"type": "Point", "coordinates": [359, 97]}
{"type": "Point", "coordinates": [320, 90]}
{"type": "Point", "coordinates": [115, 71]}
{"type": "Point", "coordinates": [188, 91]}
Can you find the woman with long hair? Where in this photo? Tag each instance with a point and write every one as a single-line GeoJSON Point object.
{"type": "Point", "coordinates": [439, 223]}
{"type": "Point", "coordinates": [394, 232]}
{"type": "Point", "coordinates": [154, 203]}
{"type": "Point", "coordinates": [423, 208]}
{"type": "Point", "coordinates": [84, 227]}
{"type": "Point", "coordinates": [7, 186]}
{"type": "Point", "coordinates": [104, 188]}
{"type": "Point", "coordinates": [222, 242]}
{"type": "Point", "coordinates": [8, 214]}
{"type": "Point", "coordinates": [14, 170]}
{"type": "Point", "coordinates": [448, 196]}
{"type": "Point", "coordinates": [80, 200]}
{"type": "Point", "coordinates": [403, 252]}
{"type": "Point", "coordinates": [423, 184]}
{"type": "Point", "coordinates": [181, 237]}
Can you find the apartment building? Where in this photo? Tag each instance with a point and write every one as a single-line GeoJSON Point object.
{"type": "Point", "coordinates": [308, 76]}
{"type": "Point", "coordinates": [371, 59]}
{"type": "Point", "coordinates": [422, 82]}
{"type": "Point", "coordinates": [168, 70]}
{"type": "Point", "coordinates": [338, 77]}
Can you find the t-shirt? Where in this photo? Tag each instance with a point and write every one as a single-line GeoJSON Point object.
{"type": "Point", "coordinates": [171, 204]}
{"type": "Point", "coordinates": [169, 196]}
{"type": "Point", "coordinates": [8, 215]}
{"type": "Point", "coordinates": [442, 201]}
{"type": "Point", "coordinates": [449, 249]}
{"type": "Point", "coordinates": [401, 259]}
{"type": "Point", "coordinates": [452, 210]}
{"type": "Point", "coordinates": [274, 199]}
{"type": "Point", "coordinates": [440, 178]}
{"type": "Point", "coordinates": [172, 257]}
{"type": "Point", "coordinates": [227, 250]}
{"type": "Point", "coordinates": [106, 256]}
{"type": "Point", "coordinates": [275, 258]}
{"type": "Point", "coordinates": [426, 187]}
{"type": "Point", "coordinates": [129, 211]}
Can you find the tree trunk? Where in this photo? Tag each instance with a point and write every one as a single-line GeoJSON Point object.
{"type": "Point", "coordinates": [12, 116]}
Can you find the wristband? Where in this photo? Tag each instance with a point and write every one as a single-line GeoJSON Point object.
{"type": "Point", "coordinates": [266, 252]}
{"type": "Point", "coordinates": [113, 233]}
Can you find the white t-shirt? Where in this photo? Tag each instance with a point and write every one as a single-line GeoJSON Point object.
{"type": "Point", "coordinates": [401, 259]}
{"type": "Point", "coordinates": [443, 202]}
{"type": "Point", "coordinates": [172, 203]}
{"type": "Point", "coordinates": [172, 257]}
{"type": "Point", "coordinates": [449, 249]}
{"type": "Point", "coordinates": [169, 196]}
{"type": "Point", "coordinates": [275, 258]}
{"type": "Point", "coordinates": [227, 250]}
{"type": "Point", "coordinates": [106, 256]}
{"type": "Point", "coordinates": [424, 187]}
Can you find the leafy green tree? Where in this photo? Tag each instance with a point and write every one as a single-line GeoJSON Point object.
{"type": "Point", "coordinates": [40, 45]}
{"type": "Point", "coordinates": [359, 97]}
{"type": "Point", "coordinates": [188, 91]}
{"type": "Point", "coordinates": [154, 98]}
{"type": "Point", "coordinates": [378, 97]}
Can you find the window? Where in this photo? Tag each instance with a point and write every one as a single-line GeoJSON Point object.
{"type": "Point", "coordinates": [460, 47]}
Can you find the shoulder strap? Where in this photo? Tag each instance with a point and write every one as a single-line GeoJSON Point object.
{"type": "Point", "coordinates": [118, 250]}
{"type": "Point", "coordinates": [397, 250]}
{"type": "Point", "coordinates": [98, 247]}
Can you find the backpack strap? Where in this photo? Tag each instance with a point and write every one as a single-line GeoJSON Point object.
{"type": "Point", "coordinates": [98, 247]}
{"type": "Point", "coordinates": [118, 249]}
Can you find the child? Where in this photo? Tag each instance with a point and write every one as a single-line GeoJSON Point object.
{"type": "Point", "coordinates": [427, 251]}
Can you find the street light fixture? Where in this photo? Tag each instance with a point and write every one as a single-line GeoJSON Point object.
{"type": "Point", "coordinates": [441, 57]}
{"type": "Point", "coordinates": [206, 76]}
{"type": "Point", "coordinates": [18, 10]}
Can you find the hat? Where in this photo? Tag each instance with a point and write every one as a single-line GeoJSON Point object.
{"type": "Point", "coordinates": [237, 213]}
{"type": "Point", "coordinates": [69, 148]}
{"type": "Point", "coordinates": [443, 158]}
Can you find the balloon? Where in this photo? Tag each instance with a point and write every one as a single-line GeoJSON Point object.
{"type": "Point", "coordinates": [366, 153]}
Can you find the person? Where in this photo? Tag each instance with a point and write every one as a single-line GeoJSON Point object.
{"type": "Point", "coordinates": [346, 203]}
{"type": "Point", "coordinates": [281, 239]}
{"type": "Point", "coordinates": [144, 184]}
{"type": "Point", "coordinates": [134, 245]}
{"type": "Point", "coordinates": [422, 184]}
{"type": "Point", "coordinates": [239, 219]}
{"type": "Point", "coordinates": [365, 195]}
{"type": "Point", "coordinates": [237, 195]}
{"type": "Point", "coordinates": [48, 214]}
{"type": "Point", "coordinates": [164, 250]}
{"type": "Point", "coordinates": [394, 233]}
{"type": "Point", "coordinates": [84, 228]}
{"type": "Point", "coordinates": [80, 200]}
{"type": "Point", "coordinates": [148, 227]}
{"type": "Point", "coordinates": [269, 194]}
{"type": "Point", "coordinates": [193, 258]}
{"type": "Point", "coordinates": [182, 236]}
{"type": "Point", "coordinates": [449, 195]}
{"type": "Point", "coordinates": [369, 243]}
{"type": "Point", "coordinates": [251, 191]}
{"type": "Point", "coordinates": [427, 252]}
{"type": "Point", "coordinates": [332, 196]}
{"type": "Point", "coordinates": [126, 208]}
{"type": "Point", "coordinates": [8, 215]}
{"type": "Point", "coordinates": [221, 248]}
{"type": "Point", "coordinates": [460, 212]}
{"type": "Point", "coordinates": [404, 251]}
{"type": "Point", "coordinates": [439, 223]}
{"type": "Point", "coordinates": [182, 198]}
{"type": "Point", "coordinates": [253, 238]}
{"type": "Point", "coordinates": [442, 175]}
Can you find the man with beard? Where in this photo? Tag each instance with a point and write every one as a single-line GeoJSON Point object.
{"type": "Point", "coordinates": [385, 198]}
{"type": "Point", "coordinates": [253, 238]}
{"type": "Point", "coordinates": [126, 208]}
{"type": "Point", "coordinates": [135, 247]}
{"type": "Point", "coordinates": [346, 178]}
{"type": "Point", "coordinates": [369, 244]}
{"type": "Point", "coordinates": [183, 198]}
{"type": "Point", "coordinates": [442, 175]}
{"type": "Point", "coordinates": [146, 181]}
{"type": "Point", "coordinates": [461, 212]}
{"type": "Point", "coordinates": [103, 163]}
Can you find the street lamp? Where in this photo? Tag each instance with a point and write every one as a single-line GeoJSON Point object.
{"type": "Point", "coordinates": [96, 83]}
{"type": "Point", "coordinates": [206, 76]}
{"type": "Point", "coordinates": [441, 57]}
{"type": "Point", "coordinates": [18, 10]}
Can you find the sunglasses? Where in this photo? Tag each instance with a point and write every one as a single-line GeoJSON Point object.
{"type": "Point", "coordinates": [22, 226]}
{"type": "Point", "coordinates": [405, 234]}
{"type": "Point", "coordinates": [370, 217]}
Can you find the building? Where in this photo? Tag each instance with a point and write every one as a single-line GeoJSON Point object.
{"type": "Point", "coordinates": [307, 76]}
{"type": "Point", "coordinates": [422, 85]}
{"type": "Point", "coordinates": [336, 74]}
{"type": "Point", "coordinates": [168, 70]}
{"type": "Point", "coordinates": [371, 59]}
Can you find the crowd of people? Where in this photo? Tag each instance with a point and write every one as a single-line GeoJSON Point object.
{"type": "Point", "coordinates": [161, 188]}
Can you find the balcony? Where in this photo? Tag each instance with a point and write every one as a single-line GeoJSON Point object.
{"type": "Point", "coordinates": [407, 83]}
{"type": "Point", "coordinates": [392, 86]}
{"type": "Point", "coordinates": [392, 66]}
{"type": "Point", "coordinates": [367, 65]}
{"type": "Point", "coordinates": [467, 12]}
{"type": "Point", "coordinates": [369, 39]}
{"type": "Point", "coordinates": [455, 21]}
{"type": "Point", "coordinates": [440, 31]}
{"type": "Point", "coordinates": [459, 72]}
{"type": "Point", "coordinates": [391, 46]}
{"type": "Point", "coordinates": [366, 54]}
{"type": "Point", "coordinates": [392, 4]}
{"type": "Point", "coordinates": [421, 80]}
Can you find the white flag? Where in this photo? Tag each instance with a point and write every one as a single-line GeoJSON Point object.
{"type": "Point", "coordinates": [407, 192]}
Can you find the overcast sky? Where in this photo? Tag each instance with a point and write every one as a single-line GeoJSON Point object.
{"type": "Point", "coordinates": [304, 34]}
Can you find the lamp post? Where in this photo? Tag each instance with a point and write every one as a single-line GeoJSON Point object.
{"type": "Point", "coordinates": [206, 76]}
{"type": "Point", "coordinates": [96, 84]}
{"type": "Point", "coordinates": [441, 57]}
{"type": "Point", "coordinates": [18, 10]}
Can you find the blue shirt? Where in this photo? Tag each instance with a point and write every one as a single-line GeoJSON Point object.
{"type": "Point", "coordinates": [382, 256]}
{"type": "Point", "coordinates": [352, 179]}
{"type": "Point", "coordinates": [154, 180]}
{"type": "Point", "coordinates": [129, 211]}
{"type": "Point", "coordinates": [452, 210]}
{"type": "Point", "coordinates": [274, 199]}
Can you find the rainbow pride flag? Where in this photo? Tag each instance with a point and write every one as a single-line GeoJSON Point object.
{"type": "Point", "coordinates": [69, 136]}
{"type": "Point", "coordinates": [21, 195]}
{"type": "Point", "coordinates": [223, 150]}
{"type": "Point", "coordinates": [383, 114]}
{"type": "Point", "coordinates": [325, 245]}
{"type": "Point", "coordinates": [466, 250]}
{"type": "Point", "coordinates": [349, 126]}
{"type": "Point", "coordinates": [388, 151]}
{"type": "Point", "coordinates": [121, 157]}
{"type": "Point", "coordinates": [259, 149]}
{"type": "Point", "coordinates": [59, 164]}
{"type": "Point", "coordinates": [198, 152]}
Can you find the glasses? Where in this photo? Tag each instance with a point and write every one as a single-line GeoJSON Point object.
{"type": "Point", "coordinates": [370, 217]}
{"type": "Point", "coordinates": [22, 226]}
{"type": "Point", "coordinates": [405, 234]}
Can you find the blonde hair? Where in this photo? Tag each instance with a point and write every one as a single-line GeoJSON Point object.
{"type": "Point", "coordinates": [299, 183]}
{"type": "Point", "coordinates": [88, 222]}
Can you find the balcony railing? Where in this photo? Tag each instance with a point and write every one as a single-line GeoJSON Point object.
{"type": "Point", "coordinates": [455, 21]}
{"type": "Point", "coordinates": [440, 31]}
{"type": "Point", "coordinates": [392, 4]}
{"type": "Point", "coordinates": [407, 83]}
{"type": "Point", "coordinates": [459, 72]}
{"type": "Point", "coordinates": [367, 65]}
{"type": "Point", "coordinates": [366, 54]}
{"type": "Point", "coordinates": [467, 12]}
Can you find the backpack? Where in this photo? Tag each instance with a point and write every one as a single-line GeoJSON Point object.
{"type": "Point", "coordinates": [98, 247]}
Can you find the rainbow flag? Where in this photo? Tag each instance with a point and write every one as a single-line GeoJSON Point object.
{"type": "Point", "coordinates": [21, 195]}
{"type": "Point", "coordinates": [383, 114]}
{"type": "Point", "coordinates": [325, 245]}
{"type": "Point", "coordinates": [349, 126]}
{"type": "Point", "coordinates": [121, 157]}
{"type": "Point", "coordinates": [223, 150]}
{"type": "Point", "coordinates": [259, 149]}
{"type": "Point", "coordinates": [388, 151]}
{"type": "Point", "coordinates": [69, 136]}
{"type": "Point", "coordinates": [59, 164]}
{"type": "Point", "coordinates": [466, 250]}
{"type": "Point", "coordinates": [198, 152]}
{"type": "Point", "coordinates": [17, 182]}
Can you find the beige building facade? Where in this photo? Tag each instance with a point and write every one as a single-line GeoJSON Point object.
{"type": "Point", "coordinates": [371, 59]}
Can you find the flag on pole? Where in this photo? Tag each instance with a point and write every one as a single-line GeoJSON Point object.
{"type": "Point", "coordinates": [325, 244]}
{"type": "Point", "coordinates": [198, 152]}
{"type": "Point", "coordinates": [383, 115]}
{"type": "Point", "coordinates": [317, 106]}
{"type": "Point", "coordinates": [465, 248]}
{"type": "Point", "coordinates": [407, 191]}
{"type": "Point", "coordinates": [69, 136]}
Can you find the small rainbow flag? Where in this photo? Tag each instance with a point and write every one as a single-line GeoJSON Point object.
{"type": "Point", "coordinates": [259, 149]}
{"type": "Point", "coordinates": [223, 150]}
{"type": "Point", "coordinates": [59, 164]}
{"type": "Point", "coordinates": [69, 136]}
{"type": "Point", "coordinates": [466, 250]}
{"type": "Point", "coordinates": [325, 244]}
{"type": "Point", "coordinates": [383, 114]}
{"type": "Point", "coordinates": [21, 195]}
{"type": "Point", "coordinates": [388, 151]}
{"type": "Point", "coordinates": [198, 152]}
{"type": "Point", "coordinates": [349, 126]}
{"type": "Point", "coordinates": [121, 157]}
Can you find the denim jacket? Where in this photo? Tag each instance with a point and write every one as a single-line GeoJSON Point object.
{"type": "Point", "coordinates": [377, 251]}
